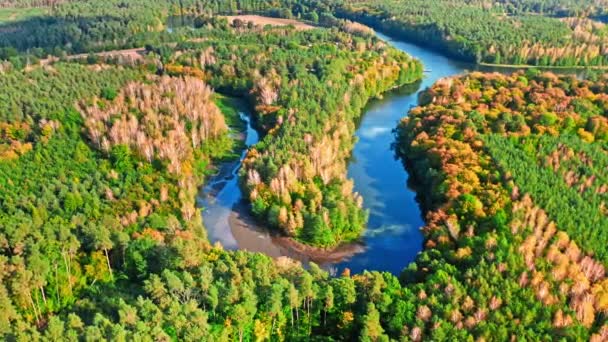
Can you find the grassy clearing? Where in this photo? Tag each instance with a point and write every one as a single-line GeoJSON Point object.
{"type": "Point", "coordinates": [14, 14]}
{"type": "Point", "coordinates": [230, 107]}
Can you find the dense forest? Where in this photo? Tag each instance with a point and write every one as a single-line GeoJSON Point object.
{"type": "Point", "coordinates": [481, 33]}
{"type": "Point", "coordinates": [100, 167]}
{"type": "Point", "coordinates": [558, 8]}
{"type": "Point", "coordinates": [101, 158]}
{"type": "Point", "coordinates": [558, 33]}
{"type": "Point", "coordinates": [510, 161]}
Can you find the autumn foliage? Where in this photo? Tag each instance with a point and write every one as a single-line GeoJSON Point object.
{"type": "Point", "coordinates": [515, 168]}
{"type": "Point", "coordinates": [167, 119]}
{"type": "Point", "coordinates": [296, 177]}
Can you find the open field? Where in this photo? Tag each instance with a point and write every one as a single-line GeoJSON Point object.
{"type": "Point", "coordinates": [13, 14]}
{"type": "Point", "coordinates": [260, 20]}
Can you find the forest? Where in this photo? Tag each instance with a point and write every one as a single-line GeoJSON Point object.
{"type": "Point", "coordinates": [510, 159]}
{"type": "Point", "coordinates": [510, 33]}
{"type": "Point", "coordinates": [295, 177]}
{"type": "Point", "coordinates": [100, 234]}
{"type": "Point", "coordinates": [102, 157]}
{"type": "Point", "coordinates": [557, 8]}
{"type": "Point", "coordinates": [558, 33]}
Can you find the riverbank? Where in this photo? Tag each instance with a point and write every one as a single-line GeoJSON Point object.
{"type": "Point", "coordinates": [227, 217]}
{"type": "Point", "coordinates": [254, 238]}
{"type": "Point", "coordinates": [442, 46]}
{"type": "Point", "coordinates": [322, 256]}
{"type": "Point", "coordinates": [393, 238]}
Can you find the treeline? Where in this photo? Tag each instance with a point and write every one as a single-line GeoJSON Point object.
{"type": "Point", "coordinates": [30, 3]}
{"type": "Point", "coordinates": [558, 8]}
{"type": "Point", "coordinates": [482, 34]}
{"type": "Point", "coordinates": [474, 31]}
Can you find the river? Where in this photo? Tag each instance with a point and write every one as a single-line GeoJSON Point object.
{"type": "Point", "coordinates": [393, 238]}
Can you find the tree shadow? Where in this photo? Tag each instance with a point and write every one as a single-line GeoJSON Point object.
{"type": "Point", "coordinates": [43, 35]}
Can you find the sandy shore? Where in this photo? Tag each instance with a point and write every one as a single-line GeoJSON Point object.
{"type": "Point", "coordinates": [250, 236]}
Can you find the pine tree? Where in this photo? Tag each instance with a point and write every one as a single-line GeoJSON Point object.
{"type": "Point", "coordinates": [372, 330]}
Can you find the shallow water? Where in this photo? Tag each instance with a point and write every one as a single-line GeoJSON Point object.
{"type": "Point", "coordinates": [222, 193]}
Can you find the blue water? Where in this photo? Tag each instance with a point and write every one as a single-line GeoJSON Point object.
{"type": "Point", "coordinates": [393, 237]}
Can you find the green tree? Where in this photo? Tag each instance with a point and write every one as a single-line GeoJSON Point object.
{"type": "Point", "coordinates": [372, 330]}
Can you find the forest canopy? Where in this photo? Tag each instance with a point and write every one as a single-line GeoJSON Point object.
{"type": "Point", "coordinates": [559, 33]}
{"type": "Point", "coordinates": [102, 156]}
{"type": "Point", "coordinates": [510, 161]}
{"type": "Point", "coordinates": [480, 32]}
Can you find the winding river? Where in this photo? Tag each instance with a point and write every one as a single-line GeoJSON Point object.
{"type": "Point", "coordinates": [393, 238]}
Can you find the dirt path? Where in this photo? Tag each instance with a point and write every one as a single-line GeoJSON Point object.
{"type": "Point", "coordinates": [555, 67]}
{"type": "Point", "coordinates": [134, 54]}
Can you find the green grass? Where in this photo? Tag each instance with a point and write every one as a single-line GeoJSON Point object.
{"type": "Point", "coordinates": [230, 107]}
{"type": "Point", "coordinates": [14, 14]}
